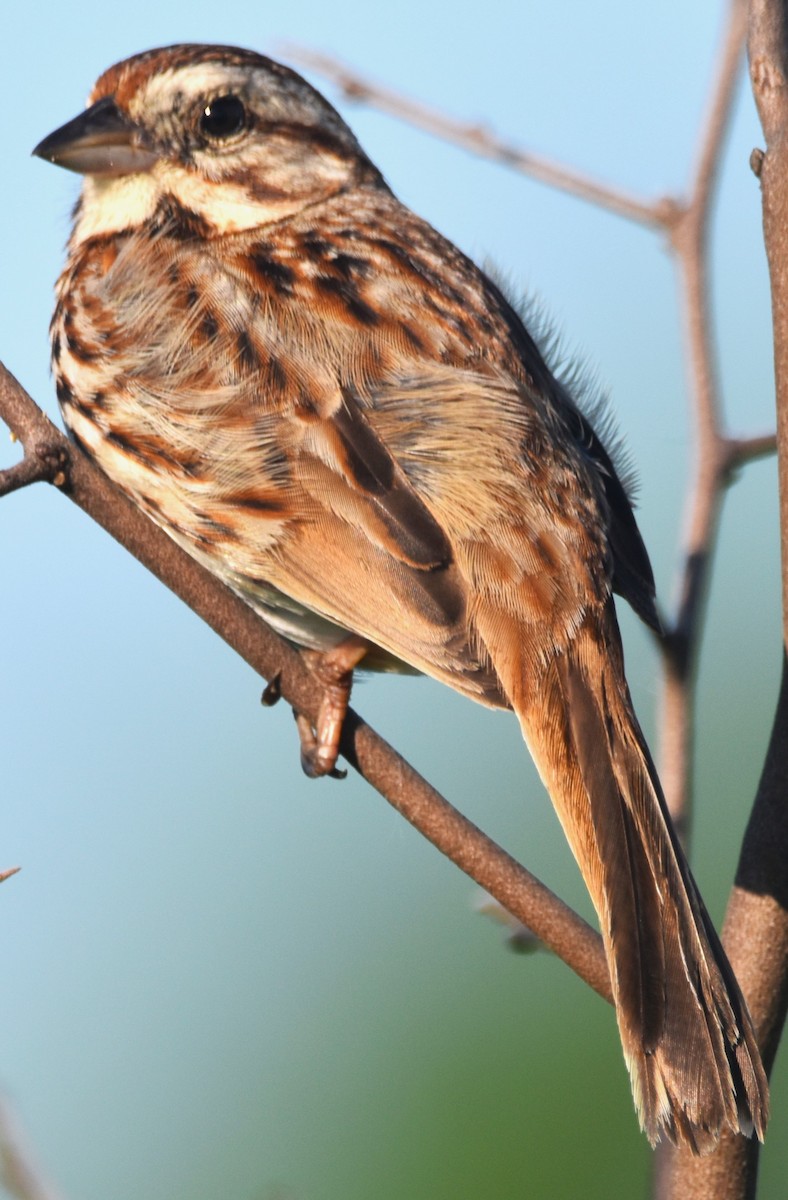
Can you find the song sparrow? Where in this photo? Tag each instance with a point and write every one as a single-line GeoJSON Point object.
{"type": "Point", "coordinates": [335, 411]}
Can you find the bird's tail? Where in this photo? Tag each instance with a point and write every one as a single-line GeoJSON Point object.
{"type": "Point", "coordinates": [688, 1038]}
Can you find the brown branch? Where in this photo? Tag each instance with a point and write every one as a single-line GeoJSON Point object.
{"type": "Point", "coordinates": [762, 876]}
{"type": "Point", "coordinates": [453, 834]}
{"type": "Point", "coordinates": [480, 140]}
{"type": "Point", "coordinates": [756, 938]}
{"type": "Point", "coordinates": [756, 923]}
{"type": "Point", "coordinates": [742, 450]}
{"type": "Point", "coordinates": [30, 470]}
{"type": "Point", "coordinates": [20, 1174]}
{"type": "Point", "coordinates": [768, 71]}
{"type": "Point", "coordinates": [760, 900]}
{"type": "Point", "coordinates": [762, 867]}
{"type": "Point", "coordinates": [689, 242]}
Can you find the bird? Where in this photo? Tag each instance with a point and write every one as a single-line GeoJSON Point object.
{"type": "Point", "coordinates": [341, 416]}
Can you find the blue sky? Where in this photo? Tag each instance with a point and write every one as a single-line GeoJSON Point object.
{"type": "Point", "coordinates": [208, 958]}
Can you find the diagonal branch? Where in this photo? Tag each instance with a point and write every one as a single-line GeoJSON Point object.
{"type": "Point", "coordinates": [20, 1173]}
{"type": "Point", "coordinates": [454, 835]}
{"type": "Point", "coordinates": [711, 474]}
{"type": "Point", "coordinates": [480, 140]}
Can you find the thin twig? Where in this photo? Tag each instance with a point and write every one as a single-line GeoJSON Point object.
{"type": "Point", "coordinates": [454, 835]}
{"type": "Point", "coordinates": [740, 451]}
{"type": "Point", "coordinates": [480, 140]}
{"type": "Point", "coordinates": [20, 1173]}
{"type": "Point", "coordinates": [689, 241]}
{"type": "Point", "coordinates": [42, 463]}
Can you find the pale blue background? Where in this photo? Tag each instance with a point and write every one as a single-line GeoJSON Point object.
{"type": "Point", "coordinates": [219, 979]}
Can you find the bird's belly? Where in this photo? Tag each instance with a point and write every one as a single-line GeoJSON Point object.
{"type": "Point", "coordinates": [303, 627]}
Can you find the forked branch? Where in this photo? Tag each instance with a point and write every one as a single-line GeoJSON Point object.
{"type": "Point", "coordinates": [756, 926]}
{"type": "Point", "coordinates": [684, 224]}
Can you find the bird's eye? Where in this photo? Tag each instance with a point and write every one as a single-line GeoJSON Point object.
{"type": "Point", "coordinates": [223, 117]}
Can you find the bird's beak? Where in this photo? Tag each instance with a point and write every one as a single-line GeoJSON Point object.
{"type": "Point", "coordinates": [100, 141]}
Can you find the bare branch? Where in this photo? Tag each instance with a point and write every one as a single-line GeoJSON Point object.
{"type": "Point", "coordinates": [689, 243]}
{"type": "Point", "coordinates": [717, 124]}
{"type": "Point", "coordinates": [29, 470]}
{"type": "Point", "coordinates": [740, 451]}
{"type": "Point", "coordinates": [42, 463]}
{"type": "Point", "coordinates": [762, 876]}
{"type": "Point", "coordinates": [761, 898]}
{"type": "Point", "coordinates": [20, 1174]}
{"type": "Point", "coordinates": [756, 923]}
{"type": "Point", "coordinates": [768, 71]}
{"type": "Point", "coordinates": [756, 938]}
{"type": "Point", "coordinates": [458, 838]}
{"type": "Point", "coordinates": [480, 140]}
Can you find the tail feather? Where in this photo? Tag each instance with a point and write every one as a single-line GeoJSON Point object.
{"type": "Point", "coordinates": [633, 899]}
{"type": "Point", "coordinates": [687, 1036]}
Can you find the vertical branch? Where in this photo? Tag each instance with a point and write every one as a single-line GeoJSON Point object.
{"type": "Point", "coordinates": [762, 878]}
{"type": "Point", "coordinates": [761, 895]}
{"type": "Point", "coordinates": [756, 939]}
{"type": "Point", "coordinates": [689, 241]}
{"type": "Point", "coordinates": [756, 923]}
{"type": "Point", "coordinates": [767, 50]}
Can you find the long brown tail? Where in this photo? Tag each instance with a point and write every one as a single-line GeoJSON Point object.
{"type": "Point", "coordinates": [687, 1036]}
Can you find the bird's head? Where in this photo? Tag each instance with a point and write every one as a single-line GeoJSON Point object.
{"type": "Point", "coordinates": [220, 139]}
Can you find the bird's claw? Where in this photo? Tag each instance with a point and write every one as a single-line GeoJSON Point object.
{"type": "Point", "coordinates": [320, 742]}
